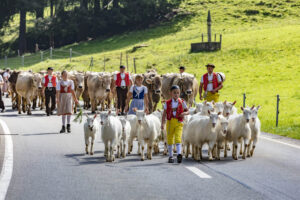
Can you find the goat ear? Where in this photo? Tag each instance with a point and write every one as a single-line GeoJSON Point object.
{"type": "Point", "coordinates": [252, 107]}
{"type": "Point", "coordinates": [86, 115]}
{"type": "Point", "coordinates": [148, 80]}
{"type": "Point", "coordinates": [95, 116]}
{"type": "Point", "coordinates": [208, 112]}
{"type": "Point", "coordinates": [242, 108]}
{"type": "Point", "coordinates": [233, 103]}
{"type": "Point", "coordinates": [224, 102]}
{"type": "Point", "coordinates": [219, 113]}
{"type": "Point", "coordinates": [109, 112]}
{"type": "Point", "coordinates": [158, 110]}
{"type": "Point", "coordinates": [204, 102]}
{"type": "Point", "coordinates": [213, 102]}
{"type": "Point", "coordinates": [258, 107]}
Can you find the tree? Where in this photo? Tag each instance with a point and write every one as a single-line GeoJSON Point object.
{"type": "Point", "coordinates": [22, 31]}
{"type": "Point", "coordinates": [96, 6]}
{"type": "Point", "coordinates": [39, 8]}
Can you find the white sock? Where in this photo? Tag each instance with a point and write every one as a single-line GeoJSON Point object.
{"type": "Point", "coordinates": [68, 119]}
{"type": "Point", "coordinates": [178, 148]}
{"type": "Point", "coordinates": [170, 149]}
{"type": "Point", "coordinates": [63, 119]}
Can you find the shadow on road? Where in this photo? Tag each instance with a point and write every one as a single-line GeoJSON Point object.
{"type": "Point", "coordinates": [36, 134]}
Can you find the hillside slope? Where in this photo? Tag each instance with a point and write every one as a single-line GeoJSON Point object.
{"type": "Point", "coordinates": [260, 54]}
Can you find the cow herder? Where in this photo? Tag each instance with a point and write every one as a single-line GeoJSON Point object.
{"type": "Point", "coordinates": [64, 97]}
{"type": "Point", "coordinates": [211, 82]}
{"type": "Point", "coordinates": [123, 82]}
{"type": "Point", "coordinates": [138, 94]}
{"type": "Point", "coordinates": [49, 89]}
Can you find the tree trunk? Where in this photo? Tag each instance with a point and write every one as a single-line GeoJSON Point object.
{"type": "Point", "coordinates": [115, 3]}
{"type": "Point", "coordinates": [39, 11]}
{"type": "Point", "coordinates": [51, 7]}
{"type": "Point", "coordinates": [96, 6]}
{"type": "Point", "coordinates": [104, 4]}
{"type": "Point", "coordinates": [84, 4]}
{"type": "Point", "coordinates": [22, 31]}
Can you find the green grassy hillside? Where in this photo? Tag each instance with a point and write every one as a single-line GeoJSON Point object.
{"type": "Point", "coordinates": [260, 54]}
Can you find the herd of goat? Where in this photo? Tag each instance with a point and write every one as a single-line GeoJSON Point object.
{"type": "Point", "coordinates": [215, 124]}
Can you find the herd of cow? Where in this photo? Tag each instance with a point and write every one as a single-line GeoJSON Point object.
{"type": "Point", "coordinates": [97, 89]}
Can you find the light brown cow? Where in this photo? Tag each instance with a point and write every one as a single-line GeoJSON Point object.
{"type": "Point", "coordinates": [188, 86]}
{"type": "Point", "coordinates": [12, 88]}
{"type": "Point", "coordinates": [26, 88]}
{"type": "Point", "coordinates": [78, 79]}
{"type": "Point", "coordinates": [98, 88]}
{"type": "Point", "coordinates": [37, 93]}
{"type": "Point", "coordinates": [85, 93]}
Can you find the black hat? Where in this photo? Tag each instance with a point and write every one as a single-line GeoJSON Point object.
{"type": "Point", "coordinates": [175, 87]}
{"type": "Point", "coordinates": [50, 68]}
{"type": "Point", "coordinates": [210, 65]}
{"type": "Point", "coordinates": [182, 67]}
{"type": "Point", "coordinates": [122, 67]}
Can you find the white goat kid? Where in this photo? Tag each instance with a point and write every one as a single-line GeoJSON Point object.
{"type": "Point", "coordinates": [126, 129]}
{"type": "Point", "coordinates": [255, 126]}
{"type": "Point", "coordinates": [111, 129]}
{"type": "Point", "coordinates": [148, 131]}
{"type": "Point", "coordinates": [91, 128]}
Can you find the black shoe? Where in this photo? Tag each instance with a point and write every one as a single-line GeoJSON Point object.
{"type": "Point", "coordinates": [63, 129]}
{"type": "Point", "coordinates": [69, 128]}
{"type": "Point", "coordinates": [48, 114]}
{"type": "Point", "coordinates": [171, 160]}
{"type": "Point", "coordinates": [3, 110]}
{"type": "Point", "coordinates": [179, 158]}
{"type": "Point", "coordinates": [51, 113]}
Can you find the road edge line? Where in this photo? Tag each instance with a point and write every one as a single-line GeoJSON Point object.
{"type": "Point", "coordinates": [274, 140]}
{"type": "Point", "coordinates": [198, 172]}
{"type": "Point", "coordinates": [7, 168]}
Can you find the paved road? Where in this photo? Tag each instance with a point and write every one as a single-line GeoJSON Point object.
{"type": "Point", "coordinates": [48, 165]}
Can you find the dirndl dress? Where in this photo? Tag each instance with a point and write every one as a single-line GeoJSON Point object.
{"type": "Point", "coordinates": [65, 105]}
{"type": "Point", "coordinates": [137, 100]}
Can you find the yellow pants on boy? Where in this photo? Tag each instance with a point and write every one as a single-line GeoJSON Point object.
{"type": "Point", "coordinates": [210, 96]}
{"type": "Point", "coordinates": [174, 131]}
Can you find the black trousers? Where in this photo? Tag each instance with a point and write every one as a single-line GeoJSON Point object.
{"type": "Point", "coordinates": [1, 101]}
{"type": "Point", "coordinates": [50, 94]}
{"type": "Point", "coordinates": [122, 95]}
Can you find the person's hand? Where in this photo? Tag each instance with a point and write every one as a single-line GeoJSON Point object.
{"type": "Point", "coordinates": [76, 102]}
{"type": "Point", "coordinates": [162, 127]}
{"type": "Point", "coordinates": [146, 110]}
{"type": "Point", "coordinates": [182, 115]}
{"type": "Point", "coordinates": [201, 98]}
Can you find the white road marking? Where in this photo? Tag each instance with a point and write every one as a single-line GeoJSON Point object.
{"type": "Point", "coordinates": [198, 172]}
{"type": "Point", "coordinates": [7, 167]}
{"type": "Point", "coordinates": [273, 140]}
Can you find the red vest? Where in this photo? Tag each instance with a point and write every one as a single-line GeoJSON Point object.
{"type": "Point", "coordinates": [214, 81]}
{"type": "Point", "coordinates": [53, 81]}
{"type": "Point", "coordinates": [62, 89]}
{"type": "Point", "coordinates": [179, 110]}
{"type": "Point", "coordinates": [119, 80]}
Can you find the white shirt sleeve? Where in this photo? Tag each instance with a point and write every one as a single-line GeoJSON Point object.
{"type": "Point", "coordinates": [58, 86]}
{"type": "Point", "coordinates": [146, 90]}
{"type": "Point", "coordinates": [1, 79]}
{"type": "Point", "coordinates": [43, 81]}
{"type": "Point", "coordinates": [115, 77]}
{"type": "Point", "coordinates": [165, 106]}
{"type": "Point", "coordinates": [131, 89]}
{"type": "Point", "coordinates": [130, 77]}
{"type": "Point", "coordinates": [56, 80]}
{"type": "Point", "coordinates": [219, 78]}
{"type": "Point", "coordinates": [72, 85]}
{"type": "Point", "coordinates": [202, 79]}
{"type": "Point", "coordinates": [184, 105]}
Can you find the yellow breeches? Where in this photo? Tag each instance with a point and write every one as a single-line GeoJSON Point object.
{"type": "Point", "coordinates": [212, 97]}
{"type": "Point", "coordinates": [174, 131]}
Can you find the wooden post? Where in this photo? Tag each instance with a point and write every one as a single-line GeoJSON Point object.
{"type": "Point", "coordinates": [23, 60]}
{"type": "Point", "coordinates": [50, 52]}
{"type": "Point", "coordinates": [121, 59]}
{"type": "Point", "coordinates": [5, 61]}
{"type": "Point", "coordinates": [42, 56]}
{"type": "Point", "coordinates": [220, 40]}
{"type": "Point", "coordinates": [244, 100]}
{"type": "Point", "coordinates": [277, 110]}
{"type": "Point", "coordinates": [215, 37]}
{"type": "Point", "coordinates": [91, 63]}
{"type": "Point", "coordinates": [127, 62]}
{"type": "Point", "coordinates": [134, 65]}
{"type": "Point", "coordinates": [18, 53]}
{"type": "Point", "coordinates": [104, 64]}
{"type": "Point", "coordinates": [202, 37]}
{"type": "Point", "coordinates": [70, 54]}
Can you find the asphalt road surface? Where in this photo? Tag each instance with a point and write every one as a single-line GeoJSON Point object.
{"type": "Point", "coordinates": [48, 165]}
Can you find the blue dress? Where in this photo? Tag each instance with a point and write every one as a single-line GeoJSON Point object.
{"type": "Point", "coordinates": [137, 100]}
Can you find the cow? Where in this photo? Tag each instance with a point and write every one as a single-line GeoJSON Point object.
{"type": "Point", "coordinates": [188, 86]}
{"type": "Point", "coordinates": [12, 88]}
{"type": "Point", "coordinates": [26, 88]}
{"type": "Point", "coordinates": [153, 82]}
{"type": "Point", "coordinates": [98, 89]}
{"type": "Point", "coordinates": [78, 79]}
{"type": "Point", "coordinates": [85, 94]}
{"type": "Point", "coordinates": [37, 93]}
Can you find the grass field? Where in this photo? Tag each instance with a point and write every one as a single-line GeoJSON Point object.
{"type": "Point", "coordinates": [260, 54]}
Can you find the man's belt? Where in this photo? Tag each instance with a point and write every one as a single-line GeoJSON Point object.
{"type": "Point", "coordinates": [123, 87]}
{"type": "Point", "coordinates": [50, 88]}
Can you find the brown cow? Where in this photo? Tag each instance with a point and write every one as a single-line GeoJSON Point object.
{"type": "Point", "coordinates": [153, 82]}
{"type": "Point", "coordinates": [85, 94]}
{"type": "Point", "coordinates": [188, 86]}
{"type": "Point", "coordinates": [12, 88]}
{"type": "Point", "coordinates": [78, 79]}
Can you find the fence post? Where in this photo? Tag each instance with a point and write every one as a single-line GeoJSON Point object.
{"type": "Point", "coordinates": [91, 63]}
{"type": "Point", "coordinates": [70, 54]}
{"type": "Point", "coordinates": [5, 61]}
{"type": "Point", "coordinates": [23, 60]}
{"type": "Point", "coordinates": [244, 100]}
{"type": "Point", "coordinates": [18, 53]}
{"type": "Point", "coordinates": [42, 55]}
{"type": "Point", "coordinates": [50, 52]}
{"type": "Point", "coordinates": [104, 64]}
{"type": "Point", "coordinates": [220, 40]}
{"type": "Point", "coordinates": [215, 37]}
{"type": "Point", "coordinates": [127, 62]}
{"type": "Point", "coordinates": [277, 110]}
{"type": "Point", "coordinates": [134, 65]}
{"type": "Point", "coordinates": [121, 58]}
{"type": "Point", "coordinates": [202, 37]}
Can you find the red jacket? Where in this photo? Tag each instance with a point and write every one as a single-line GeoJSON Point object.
{"type": "Point", "coordinates": [179, 110]}
{"type": "Point", "coordinates": [119, 80]}
{"type": "Point", "coordinates": [214, 81]}
{"type": "Point", "coordinates": [53, 81]}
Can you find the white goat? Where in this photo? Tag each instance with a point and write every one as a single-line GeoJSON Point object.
{"type": "Point", "coordinates": [221, 130]}
{"type": "Point", "coordinates": [133, 133]}
{"type": "Point", "coordinates": [229, 109]}
{"type": "Point", "coordinates": [111, 129]}
{"type": "Point", "coordinates": [238, 130]}
{"type": "Point", "coordinates": [148, 131]}
{"type": "Point", "coordinates": [91, 128]}
{"type": "Point", "coordinates": [126, 129]}
{"type": "Point", "coordinates": [255, 126]}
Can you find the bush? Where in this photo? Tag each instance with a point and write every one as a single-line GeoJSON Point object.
{"type": "Point", "coordinates": [251, 12]}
